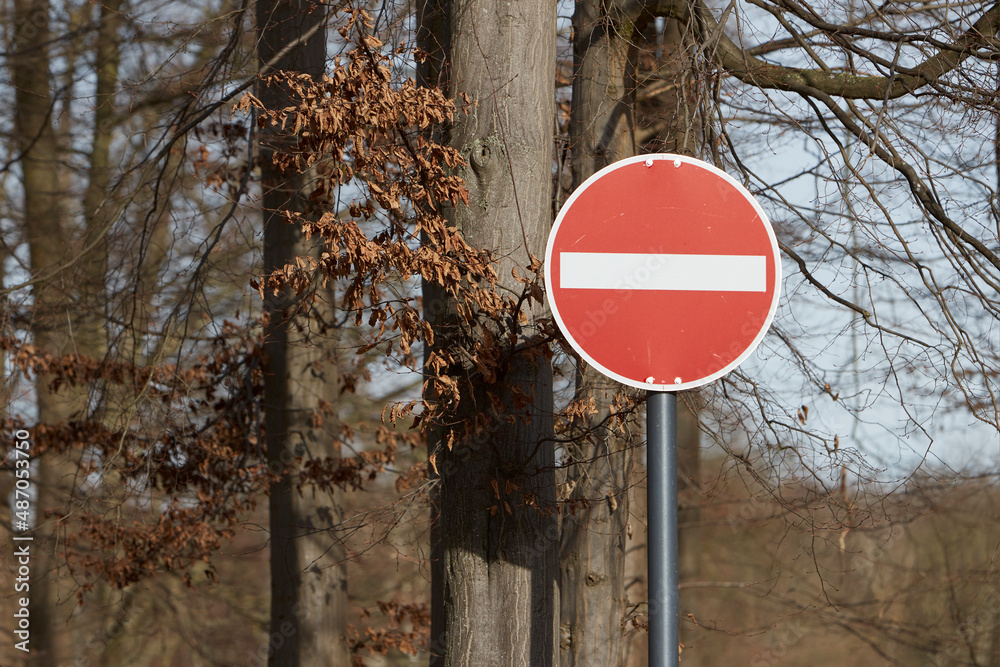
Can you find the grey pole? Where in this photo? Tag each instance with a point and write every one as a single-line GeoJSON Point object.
{"type": "Point", "coordinates": [661, 489]}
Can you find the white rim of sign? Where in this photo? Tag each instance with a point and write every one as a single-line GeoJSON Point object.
{"type": "Point", "coordinates": [674, 278]}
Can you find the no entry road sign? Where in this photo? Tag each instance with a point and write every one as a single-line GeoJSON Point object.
{"type": "Point", "coordinates": [663, 272]}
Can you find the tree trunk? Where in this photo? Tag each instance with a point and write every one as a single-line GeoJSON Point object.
{"type": "Point", "coordinates": [92, 332]}
{"type": "Point", "coordinates": [93, 298]}
{"type": "Point", "coordinates": [8, 563]}
{"type": "Point", "coordinates": [47, 234]}
{"type": "Point", "coordinates": [689, 499]}
{"type": "Point", "coordinates": [8, 566]}
{"type": "Point", "coordinates": [602, 131]}
{"type": "Point", "coordinates": [308, 583]}
{"type": "Point", "coordinates": [496, 530]}
{"type": "Point", "coordinates": [599, 463]}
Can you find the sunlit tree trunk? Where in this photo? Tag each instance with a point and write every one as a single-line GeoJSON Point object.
{"type": "Point", "coordinates": [495, 584]}
{"type": "Point", "coordinates": [602, 131]}
{"type": "Point", "coordinates": [599, 462]}
{"type": "Point", "coordinates": [308, 584]}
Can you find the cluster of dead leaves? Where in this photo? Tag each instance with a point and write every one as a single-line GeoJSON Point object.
{"type": "Point", "coordinates": [360, 132]}
{"type": "Point", "coordinates": [364, 139]}
{"type": "Point", "coordinates": [406, 628]}
{"type": "Point", "coordinates": [162, 478]}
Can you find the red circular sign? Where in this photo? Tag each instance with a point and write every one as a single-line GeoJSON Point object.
{"type": "Point", "coordinates": [663, 272]}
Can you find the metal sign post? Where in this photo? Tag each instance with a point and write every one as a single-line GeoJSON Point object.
{"type": "Point", "coordinates": [661, 490]}
{"type": "Point", "coordinates": [663, 273]}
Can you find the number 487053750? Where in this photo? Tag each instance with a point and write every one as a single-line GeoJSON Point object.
{"type": "Point", "coordinates": [22, 489]}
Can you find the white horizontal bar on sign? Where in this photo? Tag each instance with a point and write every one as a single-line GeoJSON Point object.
{"type": "Point", "coordinates": [645, 271]}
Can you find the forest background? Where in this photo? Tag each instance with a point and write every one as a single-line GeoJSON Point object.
{"type": "Point", "coordinates": [273, 322]}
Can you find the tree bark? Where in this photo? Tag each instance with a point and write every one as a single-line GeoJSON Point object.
{"type": "Point", "coordinates": [8, 563]}
{"type": "Point", "coordinates": [496, 530]}
{"type": "Point", "coordinates": [308, 581]}
{"type": "Point", "coordinates": [94, 296]}
{"type": "Point", "coordinates": [599, 461]}
{"type": "Point", "coordinates": [47, 232]}
{"type": "Point", "coordinates": [602, 131]}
